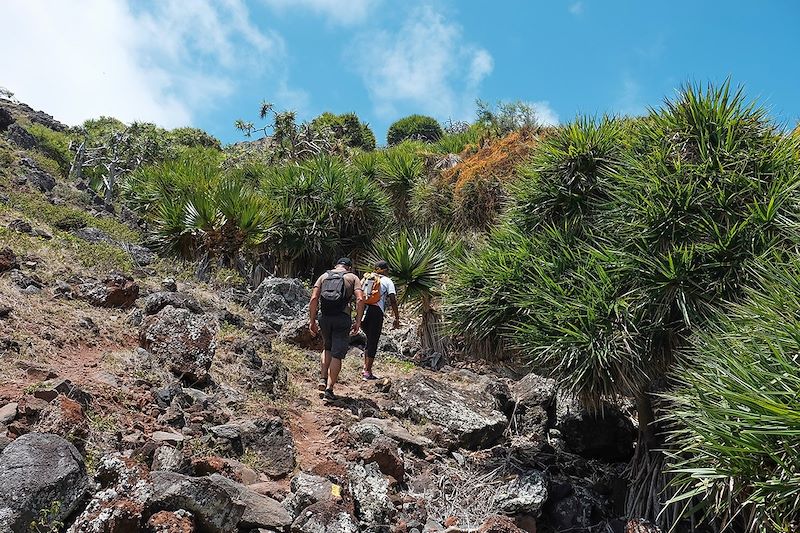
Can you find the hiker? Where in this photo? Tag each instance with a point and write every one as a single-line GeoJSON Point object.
{"type": "Point", "coordinates": [332, 294]}
{"type": "Point", "coordinates": [378, 288]}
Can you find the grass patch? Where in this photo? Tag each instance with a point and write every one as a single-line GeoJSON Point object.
{"type": "Point", "coordinates": [53, 145]}
{"type": "Point", "coordinates": [65, 217]}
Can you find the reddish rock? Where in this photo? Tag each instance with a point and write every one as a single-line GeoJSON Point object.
{"type": "Point", "coordinates": [171, 522]}
{"type": "Point", "coordinates": [115, 290]}
{"type": "Point", "coordinates": [8, 260]}
{"type": "Point", "coordinates": [384, 452]}
{"type": "Point", "coordinates": [203, 466]}
{"type": "Point", "coordinates": [500, 524]}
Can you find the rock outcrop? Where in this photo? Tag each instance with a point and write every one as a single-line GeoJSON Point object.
{"type": "Point", "coordinates": [39, 472]}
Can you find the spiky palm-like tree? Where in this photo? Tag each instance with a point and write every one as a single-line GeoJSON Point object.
{"type": "Point", "coordinates": [737, 410]}
{"type": "Point", "coordinates": [398, 170]}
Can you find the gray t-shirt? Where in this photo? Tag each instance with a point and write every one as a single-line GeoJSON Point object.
{"type": "Point", "coordinates": [351, 284]}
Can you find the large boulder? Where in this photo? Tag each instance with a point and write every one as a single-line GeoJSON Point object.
{"type": "Point", "coordinates": [296, 332]}
{"type": "Point", "coordinates": [268, 439]}
{"type": "Point", "coordinates": [20, 136]}
{"type": "Point", "coordinates": [259, 511]}
{"type": "Point", "coordinates": [35, 176]}
{"type": "Point", "coordinates": [39, 471]}
{"type": "Point", "coordinates": [157, 301]}
{"type": "Point", "coordinates": [467, 415]}
{"type": "Point", "coordinates": [215, 510]}
{"type": "Point", "coordinates": [115, 290]}
{"type": "Point", "coordinates": [307, 489]}
{"type": "Point", "coordinates": [525, 494]}
{"type": "Point", "coordinates": [370, 490]}
{"type": "Point", "coordinates": [279, 300]}
{"type": "Point", "coordinates": [608, 434]}
{"type": "Point", "coordinates": [184, 341]}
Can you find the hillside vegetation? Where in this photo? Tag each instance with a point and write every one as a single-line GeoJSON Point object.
{"type": "Point", "coordinates": [651, 260]}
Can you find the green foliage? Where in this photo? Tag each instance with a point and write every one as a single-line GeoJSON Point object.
{"type": "Point", "coordinates": [195, 213]}
{"type": "Point", "coordinates": [737, 410]}
{"type": "Point", "coordinates": [347, 128]}
{"type": "Point", "coordinates": [48, 521]}
{"type": "Point", "coordinates": [192, 138]}
{"type": "Point", "coordinates": [324, 210]}
{"type": "Point", "coordinates": [507, 117]}
{"type": "Point", "coordinates": [414, 127]}
{"type": "Point", "coordinates": [399, 169]}
{"type": "Point", "coordinates": [54, 145]}
{"type": "Point", "coordinates": [457, 142]}
{"type": "Point", "coordinates": [568, 177]}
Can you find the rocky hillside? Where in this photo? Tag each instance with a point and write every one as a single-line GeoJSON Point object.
{"type": "Point", "coordinates": [135, 398]}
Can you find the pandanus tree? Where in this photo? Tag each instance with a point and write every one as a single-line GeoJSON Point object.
{"type": "Point", "coordinates": [195, 213]}
{"type": "Point", "coordinates": [736, 410]}
{"type": "Point", "coordinates": [627, 237]}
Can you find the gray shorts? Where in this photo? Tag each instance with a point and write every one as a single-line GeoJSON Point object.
{"type": "Point", "coordinates": [335, 331]}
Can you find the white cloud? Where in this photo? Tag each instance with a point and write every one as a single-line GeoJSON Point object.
{"type": "Point", "coordinates": [108, 57]}
{"type": "Point", "coordinates": [576, 8]}
{"type": "Point", "coordinates": [426, 64]}
{"type": "Point", "coordinates": [545, 114]}
{"type": "Point", "coordinates": [344, 12]}
{"type": "Point", "coordinates": [629, 101]}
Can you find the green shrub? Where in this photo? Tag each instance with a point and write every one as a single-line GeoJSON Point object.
{"type": "Point", "coordinates": [192, 138]}
{"type": "Point", "coordinates": [54, 145]}
{"type": "Point", "coordinates": [414, 127]}
{"type": "Point", "coordinates": [400, 167]}
{"type": "Point", "coordinates": [737, 410]}
{"type": "Point", "coordinates": [346, 127]}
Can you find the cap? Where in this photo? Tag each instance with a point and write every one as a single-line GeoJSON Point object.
{"type": "Point", "coordinates": [344, 261]}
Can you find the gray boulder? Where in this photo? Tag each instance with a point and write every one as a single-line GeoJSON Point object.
{"type": "Point", "coordinates": [307, 489]}
{"type": "Point", "coordinates": [39, 471]}
{"type": "Point", "coordinates": [268, 438]}
{"type": "Point", "coordinates": [20, 136]}
{"type": "Point", "coordinates": [296, 332]}
{"type": "Point", "coordinates": [215, 510]}
{"type": "Point", "coordinates": [370, 490]}
{"type": "Point", "coordinates": [279, 300]}
{"type": "Point", "coordinates": [35, 176]}
{"type": "Point", "coordinates": [467, 415]}
{"type": "Point", "coordinates": [259, 511]}
{"type": "Point", "coordinates": [157, 301]}
{"type": "Point", "coordinates": [183, 341]}
{"type": "Point", "coordinates": [525, 494]}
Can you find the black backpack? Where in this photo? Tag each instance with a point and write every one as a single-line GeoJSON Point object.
{"type": "Point", "coordinates": [332, 292]}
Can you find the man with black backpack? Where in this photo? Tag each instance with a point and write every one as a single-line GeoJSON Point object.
{"type": "Point", "coordinates": [331, 295]}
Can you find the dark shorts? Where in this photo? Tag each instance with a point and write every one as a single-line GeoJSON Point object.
{"type": "Point", "coordinates": [335, 331]}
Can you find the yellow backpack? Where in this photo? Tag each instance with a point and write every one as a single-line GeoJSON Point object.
{"type": "Point", "coordinates": [371, 283]}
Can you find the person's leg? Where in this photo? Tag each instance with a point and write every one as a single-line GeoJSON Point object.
{"type": "Point", "coordinates": [325, 363]}
{"type": "Point", "coordinates": [373, 332]}
{"type": "Point", "coordinates": [340, 340]}
{"type": "Point", "coordinates": [325, 356]}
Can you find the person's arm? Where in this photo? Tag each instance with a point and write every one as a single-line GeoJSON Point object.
{"type": "Point", "coordinates": [395, 310]}
{"type": "Point", "coordinates": [358, 292]}
{"type": "Point", "coordinates": [313, 326]}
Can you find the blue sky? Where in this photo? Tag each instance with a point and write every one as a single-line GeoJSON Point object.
{"type": "Point", "coordinates": [206, 63]}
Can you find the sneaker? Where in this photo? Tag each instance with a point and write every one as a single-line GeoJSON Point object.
{"type": "Point", "coordinates": [329, 395]}
{"type": "Point", "coordinates": [322, 385]}
{"type": "Point", "coordinates": [368, 376]}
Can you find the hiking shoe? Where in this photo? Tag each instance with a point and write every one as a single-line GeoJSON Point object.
{"type": "Point", "coordinates": [368, 376]}
{"type": "Point", "coordinates": [329, 395]}
{"type": "Point", "coordinates": [322, 385]}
